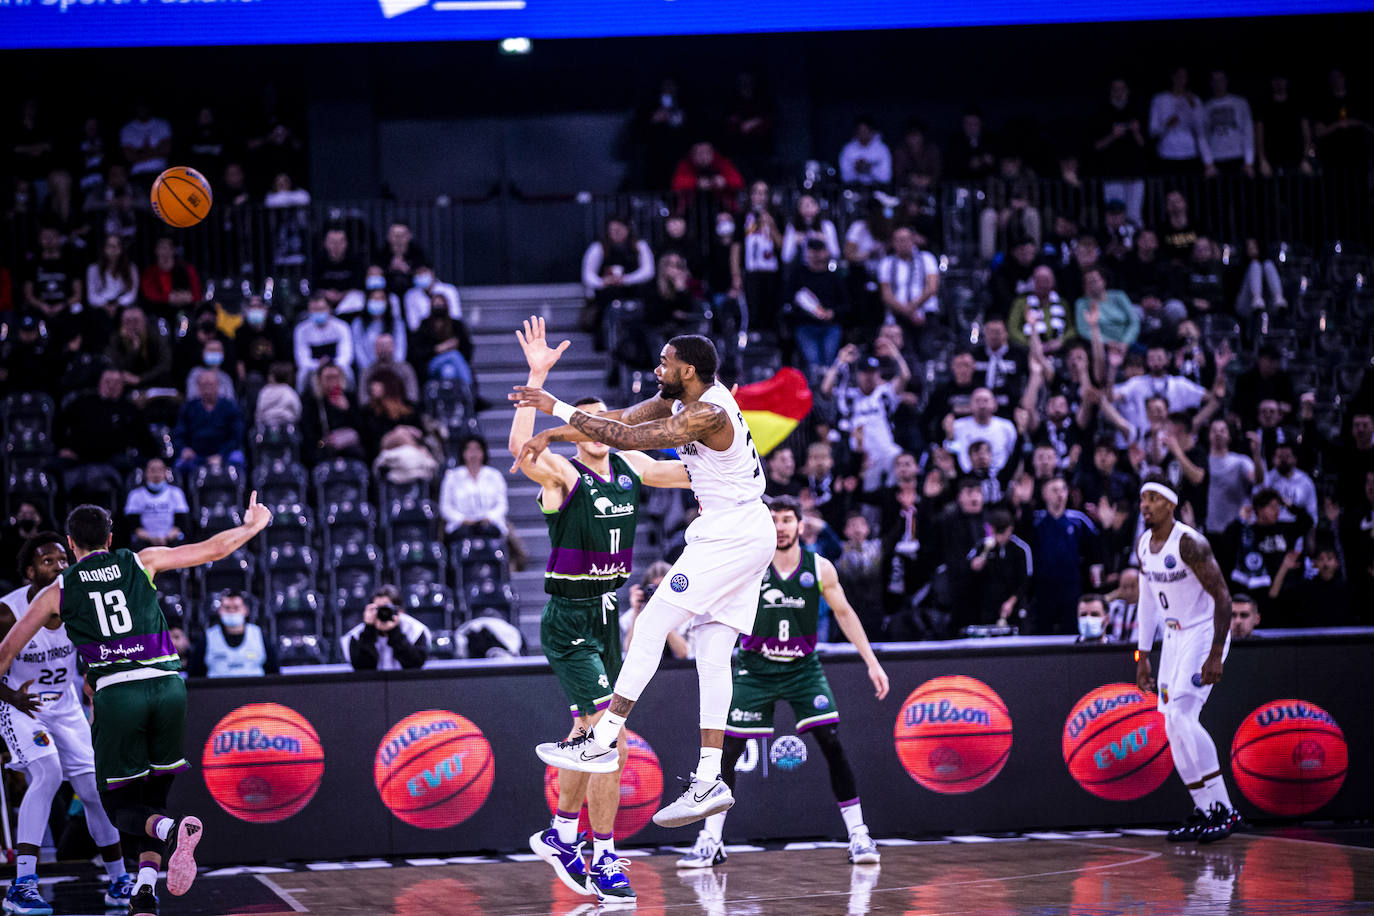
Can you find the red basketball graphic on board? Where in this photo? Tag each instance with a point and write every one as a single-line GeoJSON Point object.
{"type": "Point", "coordinates": [641, 789]}
{"type": "Point", "coordinates": [953, 734]}
{"type": "Point", "coordinates": [434, 769]}
{"type": "Point", "coordinates": [1114, 743]}
{"type": "Point", "coordinates": [1289, 757]}
{"type": "Point", "coordinates": [263, 762]}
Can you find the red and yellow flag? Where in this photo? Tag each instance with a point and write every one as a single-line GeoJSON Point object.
{"type": "Point", "coordinates": [773, 408]}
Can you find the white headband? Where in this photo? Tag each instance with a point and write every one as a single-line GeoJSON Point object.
{"type": "Point", "coordinates": [1160, 490]}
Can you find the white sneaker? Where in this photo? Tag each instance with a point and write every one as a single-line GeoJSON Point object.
{"type": "Point", "coordinates": [862, 849]}
{"type": "Point", "coordinates": [708, 851]}
{"type": "Point", "coordinates": [701, 800]}
{"type": "Point", "coordinates": [579, 753]}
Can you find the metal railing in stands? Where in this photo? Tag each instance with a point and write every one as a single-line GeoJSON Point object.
{"type": "Point", "coordinates": [509, 238]}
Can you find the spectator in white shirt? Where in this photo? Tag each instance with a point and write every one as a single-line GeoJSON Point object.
{"type": "Point", "coordinates": [112, 278]}
{"type": "Point", "coordinates": [1289, 481]}
{"type": "Point", "coordinates": [866, 159]}
{"type": "Point", "coordinates": [808, 222]}
{"type": "Point", "coordinates": [419, 298]}
{"type": "Point", "coordinates": [472, 498]}
{"type": "Point", "coordinates": [147, 141]}
{"type": "Point", "coordinates": [1176, 124]}
{"type": "Point", "coordinates": [866, 405]}
{"type": "Point", "coordinates": [157, 511]}
{"type": "Point", "coordinates": [284, 193]}
{"type": "Point", "coordinates": [1180, 393]}
{"type": "Point", "coordinates": [908, 280]}
{"type": "Point", "coordinates": [1229, 131]}
{"type": "Point", "coordinates": [982, 425]}
{"type": "Point", "coordinates": [321, 337]}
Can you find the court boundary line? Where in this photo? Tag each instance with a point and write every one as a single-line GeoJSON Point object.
{"type": "Point", "coordinates": [287, 897]}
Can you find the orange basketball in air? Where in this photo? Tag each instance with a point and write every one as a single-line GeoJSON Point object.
{"type": "Point", "coordinates": [953, 734]}
{"type": "Point", "coordinates": [641, 789]}
{"type": "Point", "coordinates": [1289, 757]}
{"type": "Point", "coordinates": [181, 197]}
{"type": "Point", "coordinates": [1114, 743]}
{"type": "Point", "coordinates": [434, 769]}
{"type": "Point", "coordinates": [263, 762]}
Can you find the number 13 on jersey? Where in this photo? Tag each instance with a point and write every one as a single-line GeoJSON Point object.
{"type": "Point", "coordinates": [112, 610]}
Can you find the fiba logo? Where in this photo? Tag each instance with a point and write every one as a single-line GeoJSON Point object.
{"type": "Point", "coordinates": [788, 752]}
{"type": "Point", "coordinates": [1308, 755]}
{"type": "Point", "coordinates": [1170, 562]}
{"type": "Point", "coordinates": [623, 481]}
{"type": "Point", "coordinates": [678, 583]}
{"type": "Point", "coordinates": [806, 580]}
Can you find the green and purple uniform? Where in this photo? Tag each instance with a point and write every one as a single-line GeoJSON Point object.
{"type": "Point", "coordinates": [109, 606]}
{"type": "Point", "coordinates": [593, 536]}
{"type": "Point", "coordinates": [777, 661]}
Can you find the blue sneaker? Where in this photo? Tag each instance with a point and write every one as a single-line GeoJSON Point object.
{"type": "Point", "coordinates": [23, 898]}
{"type": "Point", "coordinates": [120, 891]}
{"type": "Point", "coordinates": [609, 880]}
{"type": "Point", "coordinates": [566, 860]}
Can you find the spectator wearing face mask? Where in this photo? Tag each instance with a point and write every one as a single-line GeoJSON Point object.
{"type": "Point", "coordinates": [262, 341]}
{"type": "Point", "coordinates": [157, 511]}
{"type": "Point", "coordinates": [232, 646]}
{"type": "Point", "coordinates": [381, 315]}
{"type": "Point", "coordinates": [1092, 620]}
{"type": "Point", "coordinates": [419, 299]}
{"type": "Point", "coordinates": [212, 362]}
{"type": "Point", "coordinates": [321, 337]}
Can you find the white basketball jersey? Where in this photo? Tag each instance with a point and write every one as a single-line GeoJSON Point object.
{"type": "Point", "coordinates": [49, 660]}
{"type": "Point", "coordinates": [1179, 596]}
{"type": "Point", "coordinates": [721, 480]}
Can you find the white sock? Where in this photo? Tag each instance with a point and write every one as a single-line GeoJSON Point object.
{"type": "Point", "coordinates": [1202, 798]}
{"type": "Point", "coordinates": [164, 828]}
{"type": "Point", "coordinates": [602, 845]}
{"type": "Point", "coordinates": [25, 866]}
{"type": "Point", "coordinates": [715, 826]}
{"type": "Point", "coordinates": [607, 730]}
{"type": "Point", "coordinates": [147, 877]}
{"type": "Point", "coordinates": [566, 827]}
{"type": "Point", "coordinates": [1216, 791]}
{"type": "Point", "coordinates": [708, 767]}
{"type": "Point", "coordinates": [113, 868]}
{"type": "Point", "coordinates": [853, 814]}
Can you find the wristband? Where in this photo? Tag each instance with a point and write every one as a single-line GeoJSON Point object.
{"type": "Point", "coordinates": [563, 411]}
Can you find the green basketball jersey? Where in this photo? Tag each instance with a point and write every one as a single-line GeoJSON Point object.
{"type": "Point", "coordinates": [788, 616]}
{"type": "Point", "coordinates": [593, 533]}
{"type": "Point", "coordinates": [109, 605]}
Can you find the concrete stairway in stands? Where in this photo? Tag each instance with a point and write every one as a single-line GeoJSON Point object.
{"type": "Point", "coordinates": [492, 314]}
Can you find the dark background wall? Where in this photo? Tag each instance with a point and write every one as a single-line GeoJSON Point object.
{"type": "Point", "coordinates": [458, 118]}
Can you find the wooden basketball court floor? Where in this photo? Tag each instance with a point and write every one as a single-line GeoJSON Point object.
{"type": "Point", "coordinates": [1105, 873]}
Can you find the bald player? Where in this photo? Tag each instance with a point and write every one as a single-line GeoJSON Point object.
{"type": "Point", "coordinates": [1182, 587]}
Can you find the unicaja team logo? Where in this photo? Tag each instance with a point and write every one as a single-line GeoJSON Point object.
{"type": "Point", "coordinates": [787, 752]}
{"type": "Point", "coordinates": [678, 583]}
{"type": "Point", "coordinates": [1114, 743]}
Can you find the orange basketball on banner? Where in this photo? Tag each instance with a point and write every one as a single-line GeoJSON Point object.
{"type": "Point", "coordinates": [641, 789]}
{"type": "Point", "coordinates": [1114, 743]}
{"type": "Point", "coordinates": [263, 762]}
{"type": "Point", "coordinates": [434, 769]}
{"type": "Point", "coordinates": [953, 734]}
{"type": "Point", "coordinates": [1289, 757]}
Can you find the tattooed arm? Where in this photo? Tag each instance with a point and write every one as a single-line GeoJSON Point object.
{"type": "Point", "coordinates": [1197, 553]}
{"type": "Point", "coordinates": [697, 422]}
{"type": "Point", "coordinates": [650, 409]}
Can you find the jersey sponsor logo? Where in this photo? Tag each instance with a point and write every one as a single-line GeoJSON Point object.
{"type": "Point", "coordinates": [806, 580]}
{"type": "Point", "coordinates": [1176, 576]}
{"type": "Point", "coordinates": [689, 449]}
{"type": "Point", "coordinates": [745, 715]}
{"type": "Point", "coordinates": [624, 481]}
{"type": "Point", "coordinates": [944, 711]}
{"type": "Point", "coordinates": [1170, 562]}
{"type": "Point", "coordinates": [821, 701]}
{"type": "Point", "coordinates": [101, 574]}
{"type": "Point", "coordinates": [788, 752]}
{"type": "Point", "coordinates": [41, 738]}
{"type": "Point", "coordinates": [414, 733]}
{"type": "Point", "coordinates": [107, 650]}
{"type": "Point", "coordinates": [609, 569]}
{"type": "Point", "coordinates": [678, 583]}
{"type": "Point", "coordinates": [579, 641]}
{"type": "Point", "coordinates": [1133, 742]}
{"type": "Point", "coordinates": [1102, 705]}
{"type": "Point", "coordinates": [603, 682]}
{"type": "Point", "coordinates": [774, 597]}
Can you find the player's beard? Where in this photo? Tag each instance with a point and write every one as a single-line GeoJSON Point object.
{"type": "Point", "coordinates": [788, 545]}
{"type": "Point", "coordinates": [670, 391]}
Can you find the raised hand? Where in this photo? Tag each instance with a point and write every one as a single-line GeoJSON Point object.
{"type": "Point", "coordinates": [533, 340]}
{"type": "Point", "coordinates": [531, 450]}
{"type": "Point", "coordinates": [258, 516]}
{"type": "Point", "coordinates": [529, 396]}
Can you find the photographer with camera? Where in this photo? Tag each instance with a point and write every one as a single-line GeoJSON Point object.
{"type": "Point", "coordinates": [388, 639]}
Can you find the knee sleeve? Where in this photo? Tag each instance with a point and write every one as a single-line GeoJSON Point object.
{"type": "Point", "coordinates": [45, 778]}
{"type": "Point", "coordinates": [715, 642]}
{"type": "Point", "coordinates": [103, 831]}
{"type": "Point", "coordinates": [841, 774]}
{"type": "Point", "coordinates": [729, 756]}
{"type": "Point", "coordinates": [652, 627]}
{"type": "Point", "coordinates": [1201, 748]}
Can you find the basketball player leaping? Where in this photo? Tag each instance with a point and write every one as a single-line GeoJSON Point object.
{"type": "Point", "coordinates": [1182, 587]}
{"type": "Point", "coordinates": [591, 505]}
{"type": "Point", "coordinates": [716, 580]}
{"type": "Point", "coordinates": [108, 604]}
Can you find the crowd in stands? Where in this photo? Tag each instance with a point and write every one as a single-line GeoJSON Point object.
{"type": "Point", "coordinates": [982, 422]}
